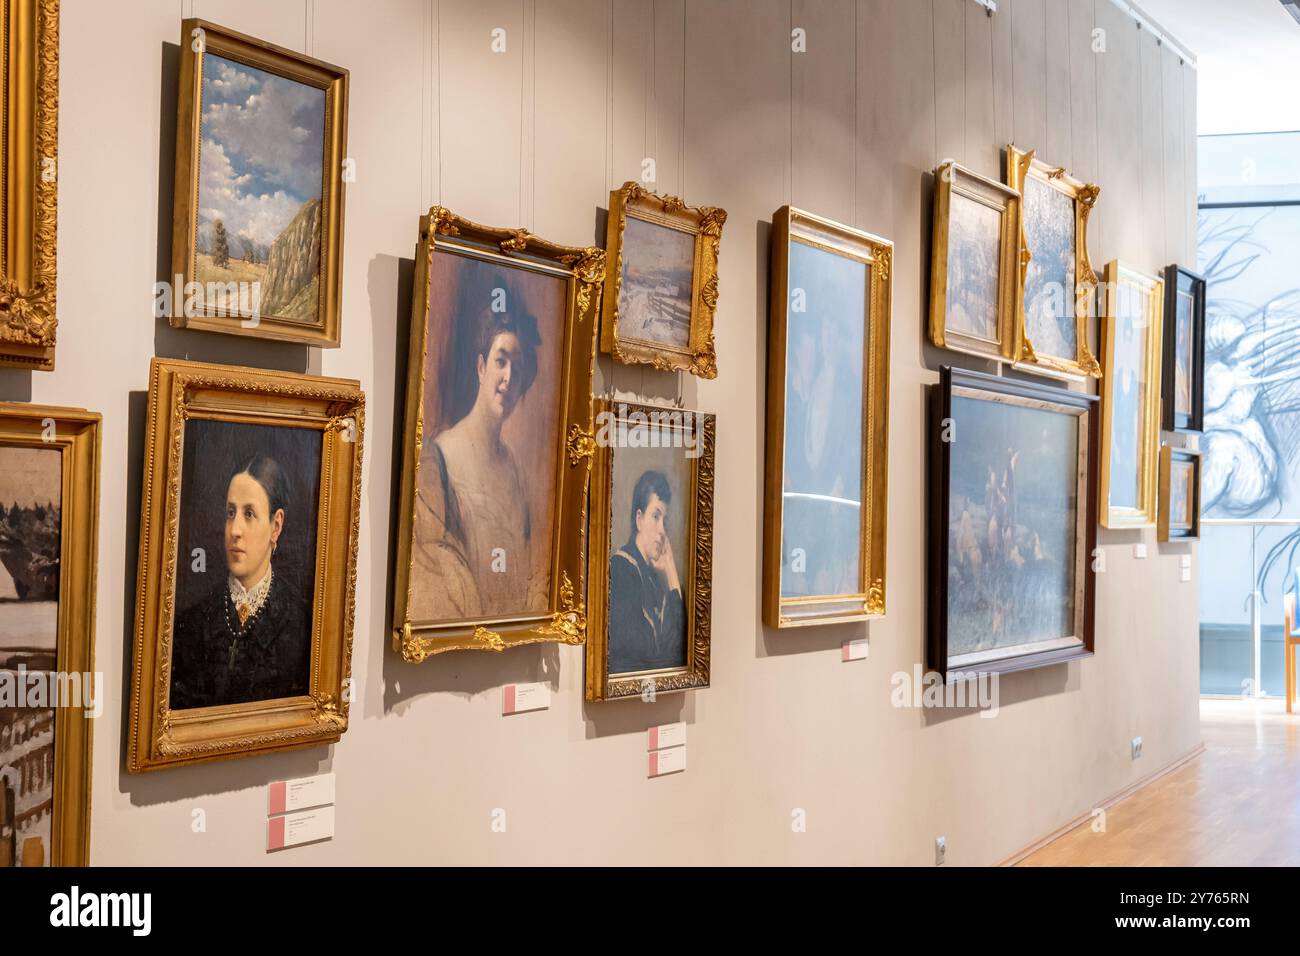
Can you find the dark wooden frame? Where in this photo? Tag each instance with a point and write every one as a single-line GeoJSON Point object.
{"type": "Point", "coordinates": [940, 464]}
{"type": "Point", "coordinates": [1168, 454]}
{"type": "Point", "coordinates": [1178, 279]}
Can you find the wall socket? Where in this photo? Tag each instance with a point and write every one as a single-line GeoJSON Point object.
{"type": "Point", "coordinates": [940, 850]}
{"type": "Point", "coordinates": [1137, 747]}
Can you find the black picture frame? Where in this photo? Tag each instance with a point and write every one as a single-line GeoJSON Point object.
{"type": "Point", "coordinates": [1165, 529]}
{"type": "Point", "coordinates": [1182, 280]}
{"type": "Point", "coordinates": [944, 430]}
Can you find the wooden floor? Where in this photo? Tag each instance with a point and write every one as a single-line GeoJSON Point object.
{"type": "Point", "coordinates": [1237, 804]}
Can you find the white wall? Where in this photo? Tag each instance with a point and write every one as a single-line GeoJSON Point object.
{"type": "Point", "coordinates": [537, 136]}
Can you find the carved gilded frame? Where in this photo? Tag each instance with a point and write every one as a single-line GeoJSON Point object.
{"type": "Point", "coordinates": [1145, 513]}
{"type": "Point", "coordinates": [180, 391]}
{"type": "Point", "coordinates": [1023, 166]}
{"type": "Point", "coordinates": [198, 37]}
{"type": "Point", "coordinates": [698, 577]}
{"type": "Point", "coordinates": [75, 433]}
{"type": "Point", "coordinates": [705, 224]}
{"type": "Point", "coordinates": [789, 226]}
{"type": "Point", "coordinates": [954, 180]}
{"type": "Point", "coordinates": [29, 43]}
{"type": "Point", "coordinates": [583, 269]}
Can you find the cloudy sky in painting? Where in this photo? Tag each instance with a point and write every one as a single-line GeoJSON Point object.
{"type": "Point", "coordinates": [263, 143]}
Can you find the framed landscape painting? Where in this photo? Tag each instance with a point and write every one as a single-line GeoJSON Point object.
{"type": "Point", "coordinates": [49, 695]}
{"type": "Point", "coordinates": [661, 290]}
{"type": "Point", "coordinates": [650, 591]}
{"type": "Point", "coordinates": [1012, 524]}
{"type": "Point", "coordinates": [257, 221]}
{"type": "Point", "coordinates": [249, 521]}
{"type": "Point", "coordinates": [975, 263]}
{"type": "Point", "coordinates": [1180, 494]}
{"type": "Point", "coordinates": [1130, 407]}
{"type": "Point", "coordinates": [1183, 381]}
{"type": "Point", "coordinates": [825, 505]}
{"type": "Point", "coordinates": [496, 458]}
{"type": "Point", "coordinates": [1056, 293]}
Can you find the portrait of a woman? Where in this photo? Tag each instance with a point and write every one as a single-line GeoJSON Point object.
{"type": "Point", "coordinates": [481, 544]}
{"type": "Point", "coordinates": [249, 638]}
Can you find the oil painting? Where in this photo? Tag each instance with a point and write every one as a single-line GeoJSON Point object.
{"type": "Point", "coordinates": [1183, 382]}
{"type": "Point", "coordinates": [1180, 494]}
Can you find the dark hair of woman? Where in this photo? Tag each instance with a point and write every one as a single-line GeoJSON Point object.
{"type": "Point", "coordinates": [267, 473]}
{"type": "Point", "coordinates": [650, 483]}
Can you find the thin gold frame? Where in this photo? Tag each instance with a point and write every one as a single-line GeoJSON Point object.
{"type": "Point", "coordinates": [325, 330]}
{"type": "Point", "coordinates": [178, 392]}
{"type": "Point", "coordinates": [1144, 515]}
{"type": "Point", "coordinates": [705, 224]}
{"type": "Point", "coordinates": [794, 225]}
{"type": "Point", "coordinates": [29, 193]}
{"type": "Point", "coordinates": [76, 434]}
{"type": "Point", "coordinates": [1021, 166]}
{"type": "Point", "coordinates": [952, 177]}
{"type": "Point", "coordinates": [699, 573]}
{"type": "Point", "coordinates": [583, 269]}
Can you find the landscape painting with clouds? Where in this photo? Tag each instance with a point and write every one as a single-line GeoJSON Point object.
{"type": "Point", "coordinates": [260, 176]}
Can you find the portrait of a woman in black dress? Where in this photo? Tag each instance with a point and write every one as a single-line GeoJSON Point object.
{"type": "Point", "coordinates": [249, 637]}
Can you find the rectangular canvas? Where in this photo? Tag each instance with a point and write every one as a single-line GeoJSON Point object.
{"type": "Point", "coordinates": [1012, 525]}
{"type": "Point", "coordinates": [1130, 431]}
{"type": "Point", "coordinates": [661, 289]}
{"type": "Point", "coordinates": [248, 546]}
{"type": "Point", "coordinates": [498, 440]}
{"type": "Point", "coordinates": [828, 346]}
{"type": "Point", "coordinates": [1180, 494]}
{"type": "Point", "coordinates": [258, 210]}
{"type": "Point", "coordinates": [1056, 288]}
{"type": "Point", "coordinates": [652, 551]}
{"type": "Point", "coordinates": [49, 462]}
{"type": "Point", "coordinates": [1183, 384]}
{"type": "Point", "coordinates": [975, 262]}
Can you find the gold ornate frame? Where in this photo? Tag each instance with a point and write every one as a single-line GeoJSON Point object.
{"type": "Point", "coordinates": [75, 433]}
{"type": "Point", "coordinates": [794, 225]}
{"type": "Point", "coordinates": [705, 224]}
{"type": "Point", "coordinates": [180, 391]}
{"type": "Point", "coordinates": [699, 571]}
{"type": "Point", "coordinates": [952, 178]}
{"type": "Point", "coordinates": [325, 331]}
{"type": "Point", "coordinates": [1166, 529]}
{"type": "Point", "coordinates": [1022, 166]}
{"type": "Point", "coordinates": [583, 269]}
{"type": "Point", "coordinates": [1144, 515]}
{"type": "Point", "coordinates": [29, 43]}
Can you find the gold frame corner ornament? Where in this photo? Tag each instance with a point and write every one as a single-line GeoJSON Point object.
{"type": "Point", "coordinates": [1021, 166]}
{"type": "Point", "coordinates": [583, 268]}
{"type": "Point", "coordinates": [705, 224]}
{"type": "Point", "coordinates": [325, 329]}
{"type": "Point", "coordinates": [790, 226]}
{"type": "Point", "coordinates": [29, 43]}
{"type": "Point", "coordinates": [180, 391]}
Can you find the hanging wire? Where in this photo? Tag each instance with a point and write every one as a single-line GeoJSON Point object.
{"type": "Point", "coordinates": [681, 140]}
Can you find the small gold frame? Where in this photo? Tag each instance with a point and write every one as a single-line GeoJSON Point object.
{"type": "Point", "coordinates": [29, 191]}
{"type": "Point", "coordinates": [583, 269]}
{"type": "Point", "coordinates": [705, 224]}
{"type": "Point", "coordinates": [698, 575]}
{"type": "Point", "coordinates": [1144, 515]}
{"type": "Point", "coordinates": [1167, 529]}
{"type": "Point", "coordinates": [792, 225]}
{"type": "Point", "coordinates": [952, 178]}
{"type": "Point", "coordinates": [76, 434]}
{"type": "Point", "coordinates": [197, 38]}
{"type": "Point", "coordinates": [1022, 166]}
{"type": "Point", "coordinates": [180, 391]}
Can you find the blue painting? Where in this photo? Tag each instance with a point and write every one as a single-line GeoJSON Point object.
{"type": "Point", "coordinates": [1049, 281]}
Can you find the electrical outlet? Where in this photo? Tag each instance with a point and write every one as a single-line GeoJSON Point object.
{"type": "Point", "coordinates": [1137, 747]}
{"type": "Point", "coordinates": [940, 850]}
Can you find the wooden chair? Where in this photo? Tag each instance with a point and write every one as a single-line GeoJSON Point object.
{"type": "Point", "coordinates": [1290, 634]}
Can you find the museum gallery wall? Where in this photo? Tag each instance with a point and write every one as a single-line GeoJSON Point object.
{"type": "Point", "coordinates": [534, 116]}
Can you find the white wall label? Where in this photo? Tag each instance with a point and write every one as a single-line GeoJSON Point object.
{"type": "Point", "coordinates": [305, 826]}
{"type": "Point", "coordinates": [666, 735]}
{"type": "Point", "coordinates": [284, 796]}
{"type": "Point", "coordinates": [518, 698]}
{"type": "Point", "coordinates": [1185, 561]}
{"type": "Point", "coordinates": [1139, 551]}
{"type": "Point", "coordinates": [1184, 574]}
{"type": "Point", "coordinates": [662, 762]}
{"type": "Point", "coordinates": [854, 649]}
